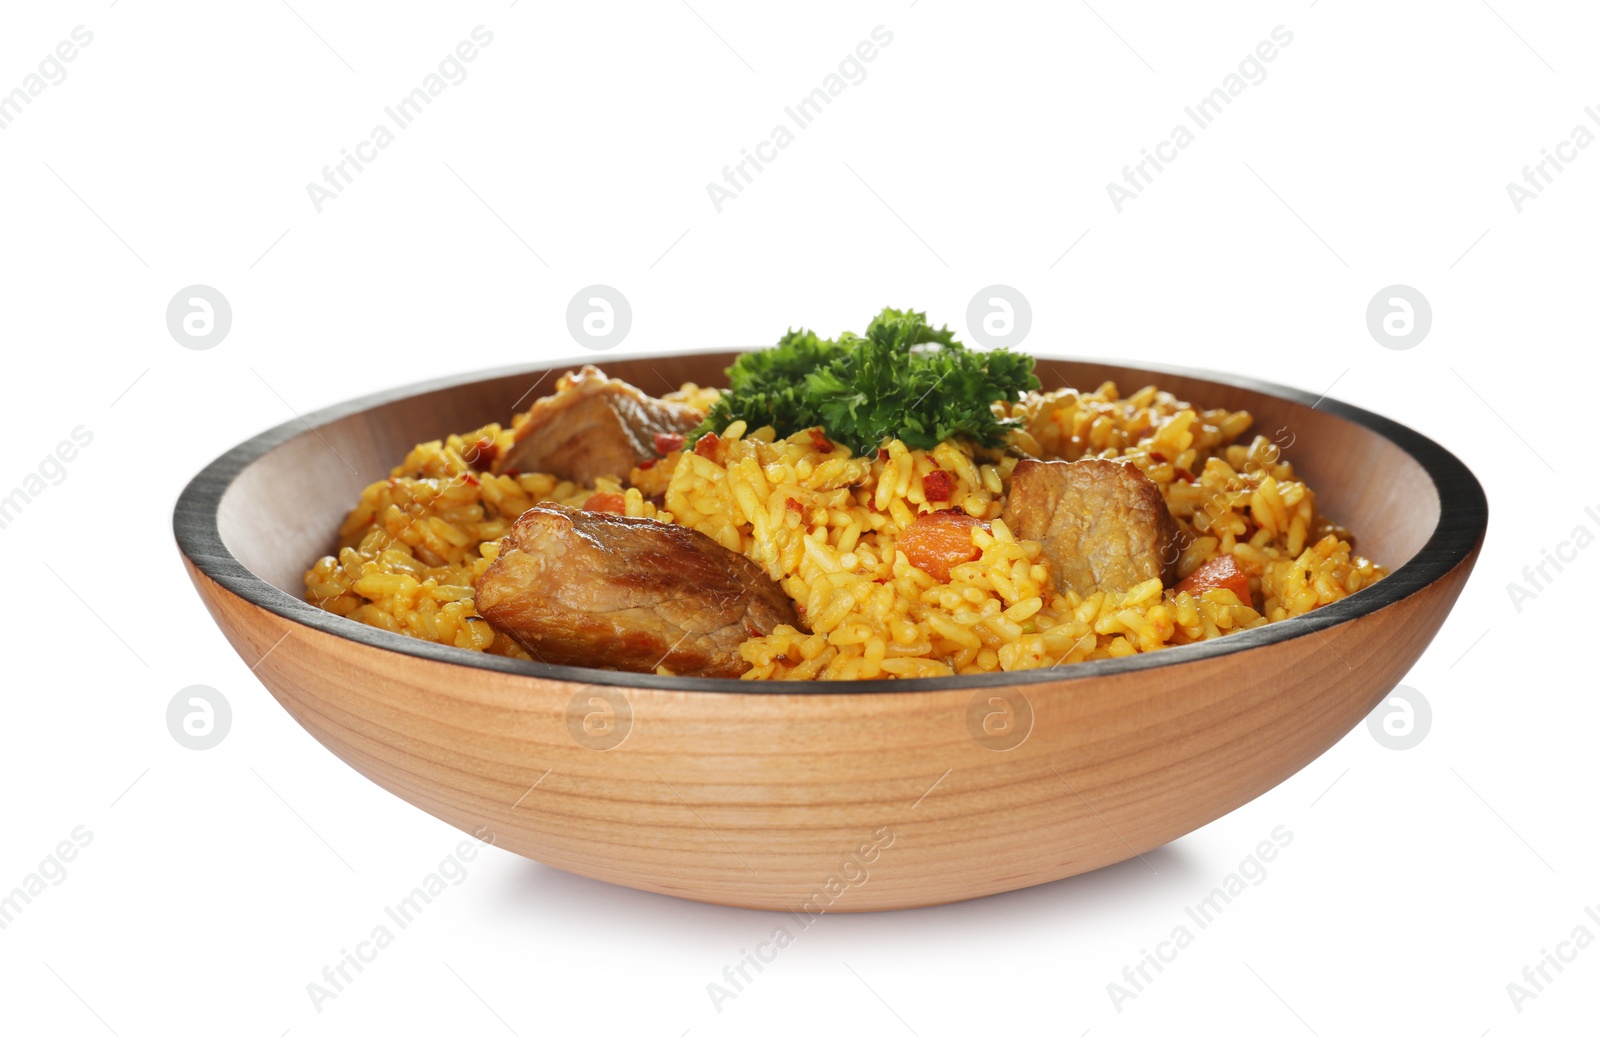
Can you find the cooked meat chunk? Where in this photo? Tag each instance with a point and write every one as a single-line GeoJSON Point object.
{"type": "Point", "coordinates": [589, 588]}
{"type": "Point", "coordinates": [1103, 524]}
{"type": "Point", "coordinates": [595, 426]}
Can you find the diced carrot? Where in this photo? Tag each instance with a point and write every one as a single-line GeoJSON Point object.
{"type": "Point", "coordinates": [939, 540]}
{"type": "Point", "coordinates": [1221, 571]}
{"type": "Point", "coordinates": [794, 505]}
{"type": "Point", "coordinates": [937, 486]}
{"type": "Point", "coordinates": [707, 445]}
{"type": "Point", "coordinates": [667, 442]}
{"type": "Point", "coordinates": [820, 441]}
{"type": "Point", "coordinates": [612, 502]}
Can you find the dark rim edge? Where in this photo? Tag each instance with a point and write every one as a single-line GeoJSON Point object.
{"type": "Point", "coordinates": [1463, 520]}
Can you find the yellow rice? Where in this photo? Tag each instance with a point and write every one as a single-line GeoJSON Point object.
{"type": "Point", "coordinates": [414, 546]}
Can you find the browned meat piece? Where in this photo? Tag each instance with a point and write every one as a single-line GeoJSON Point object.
{"type": "Point", "coordinates": [594, 426]}
{"type": "Point", "coordinates": [589, 588]}
{"type": "Point", "coordinates": [1103, 524]}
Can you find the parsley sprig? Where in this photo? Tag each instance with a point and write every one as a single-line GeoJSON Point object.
{"type": "Point", "coordinates": [901, 380]}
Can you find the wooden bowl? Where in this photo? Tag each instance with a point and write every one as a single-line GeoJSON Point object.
{"type": "Point", "coordinates": [840, 797]}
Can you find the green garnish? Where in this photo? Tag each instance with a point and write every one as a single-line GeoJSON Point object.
{"type": "Point", "coordinates": [901, 380]}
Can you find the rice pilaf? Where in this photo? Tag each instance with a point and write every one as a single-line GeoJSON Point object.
{"type": "Point", "coordinates": [826, 525]}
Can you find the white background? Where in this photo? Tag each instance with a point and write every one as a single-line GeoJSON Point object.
{"type": "Point", "coordinates": [1377, 151]}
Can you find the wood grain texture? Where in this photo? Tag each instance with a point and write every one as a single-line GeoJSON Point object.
{"type": "Point", "coordinates": [760, 799]}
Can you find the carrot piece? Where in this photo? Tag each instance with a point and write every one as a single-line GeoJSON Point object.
{"type": "Point", "coordinates": [1221, 571]}
{"type": "Point", "coordinates": [937, 541]}
{"type": "Point", "coordinates": [612, 502]}
{"type": "Point", "coordinates": [667, 442]}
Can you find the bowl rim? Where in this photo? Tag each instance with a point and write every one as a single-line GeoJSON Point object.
{"type": "Point", "coordinates": [1463, 520]}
